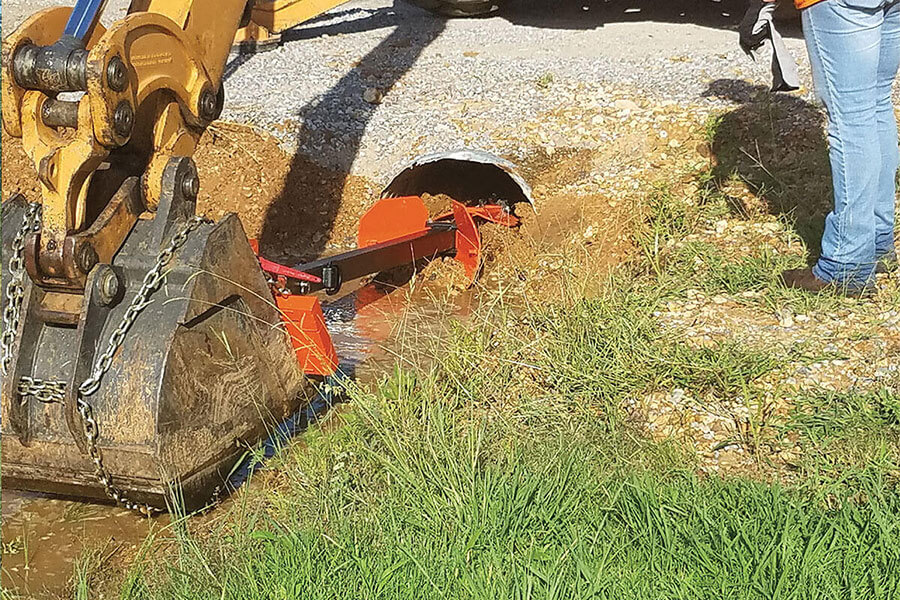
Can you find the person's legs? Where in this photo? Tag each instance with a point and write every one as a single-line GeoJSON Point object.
{"type": "Point", "coordinates": [887, 130]}
{"type": "Point", "coordinates": [844, 42]}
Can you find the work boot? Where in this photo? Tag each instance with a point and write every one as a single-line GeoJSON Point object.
{"type": "Point", "coordinates": [805, 279]}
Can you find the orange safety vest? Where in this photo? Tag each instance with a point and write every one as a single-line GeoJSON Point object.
{"type": "Point", "coordinates": [801, 4]}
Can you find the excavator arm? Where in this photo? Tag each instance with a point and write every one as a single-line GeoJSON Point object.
{"type": "Point", "coordinates": [148, 86]}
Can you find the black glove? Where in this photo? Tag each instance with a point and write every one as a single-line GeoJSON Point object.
{"type": "Point", "coordinates": [750, 41]}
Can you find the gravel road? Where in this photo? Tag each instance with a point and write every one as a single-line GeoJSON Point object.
{"type": "Point", "coordinates": [459, 82]}
{"type": "Point", "coordinates": [435, 84]}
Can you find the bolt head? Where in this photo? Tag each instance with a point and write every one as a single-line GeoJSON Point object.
{"type": "Point", "coordinates": [87, 258]}
{"type": "Point", "coordinates": [190, 186]}
{"type": "Point", "coordinates": [209, 105]}
{"type": "Point", "coordinates": [116, 74]}
{"type": "Point", "coordinates": [110, 283]}
{"type": "Point", "coordinates": [108, 286]}
{"type": "Point", "coordinates": [123, 118]}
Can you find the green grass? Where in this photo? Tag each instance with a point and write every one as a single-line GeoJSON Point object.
{"type": "Point", "coordinates": [675, 263]}
{"type": "Point", "coordinates": [545, 80]}
{"type": "Point", "coordinates": [500, 458]}
{"type": "Point", "coordinates": [840, 436]}
{"type": "Point", "coordinates": [87, 566]}
{"type": "Point", "coordinates": [775, 146]}
{"type": "Point", "coordinates": [507, 469]}
{"type": "Point", "coordinates": [612, 347]}
{"type": "Point", "coordinates": [415, 497]}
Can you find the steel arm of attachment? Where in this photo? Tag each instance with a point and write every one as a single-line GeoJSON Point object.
{"type": "Point", "coordinates": [438, 239]}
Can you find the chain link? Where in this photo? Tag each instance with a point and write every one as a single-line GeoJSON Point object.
{"type": "Point", "coordinates": [54, 391]}
{"type": "Point", "coordinates": [15, 289]}
{"type": "Point", "coordinates": [48, 392]}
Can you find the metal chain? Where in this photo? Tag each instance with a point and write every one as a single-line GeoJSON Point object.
{"type": "Point", "coordinates": [15, 289]}
{"type": "Point", "coordinates": [54, 391]}
{"type": "Point", "coordinates": [151, 283]}
{"type": "Point", "coordinates": [48, 392]}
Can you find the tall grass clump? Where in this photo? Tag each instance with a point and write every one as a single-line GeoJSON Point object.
{"type": "Point", "coordinates": [841, 437]}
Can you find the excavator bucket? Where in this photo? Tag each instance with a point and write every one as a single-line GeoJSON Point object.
{"type": "Point", "coordinates": [145, 350]}
{"type": "Point", "coordinates": [143, 383]}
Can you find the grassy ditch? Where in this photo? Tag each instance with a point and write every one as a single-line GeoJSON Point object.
{"type": "Point", "coordinates": [511, 455]}
{"type": "Point", "coordinates": [419, 495]}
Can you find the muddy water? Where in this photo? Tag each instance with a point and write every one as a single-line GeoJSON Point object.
{"type": "Point", "coordinates": [44, 538]}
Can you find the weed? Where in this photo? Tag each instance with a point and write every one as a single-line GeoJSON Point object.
{"type": "Point", "coordinates": [88, 565]}
{"type": "Point", "coordinates": [546, 80]}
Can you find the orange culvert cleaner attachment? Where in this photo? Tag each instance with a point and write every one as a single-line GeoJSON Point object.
{"type": "Point", "coordinates": [393, 233]}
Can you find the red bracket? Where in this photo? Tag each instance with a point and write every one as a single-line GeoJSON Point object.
{"type": "Point", "coordinates": [278, 270]}
{"type": "Point", "coordinates": [273, 268]}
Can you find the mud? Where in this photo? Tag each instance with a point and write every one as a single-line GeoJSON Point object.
{"type": "Point", "coordinates": [44, 537]}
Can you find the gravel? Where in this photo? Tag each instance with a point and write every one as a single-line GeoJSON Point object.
{"type": "Point", "coordinates": [460, 82]}
{"type": "Point", "coordinates": [376, 82]}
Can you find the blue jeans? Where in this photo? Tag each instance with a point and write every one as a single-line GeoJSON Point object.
{"type": "Point", "coordinates": [854, 49]}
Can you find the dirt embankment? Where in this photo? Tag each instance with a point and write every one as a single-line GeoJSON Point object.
{"type": "Point", "coordinates": [300, 210]}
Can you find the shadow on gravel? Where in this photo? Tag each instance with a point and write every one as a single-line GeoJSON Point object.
{"type": "Point", "coordinates": [776, 145]}
{"type": "Point", "coordinates": [309, 203]}
{"type": "Point", "coordinates": [336, 121]}
{"type": "Point", "coordinates": [343, 22]}
{"type": "Point", "coordinates": [590, 14]}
